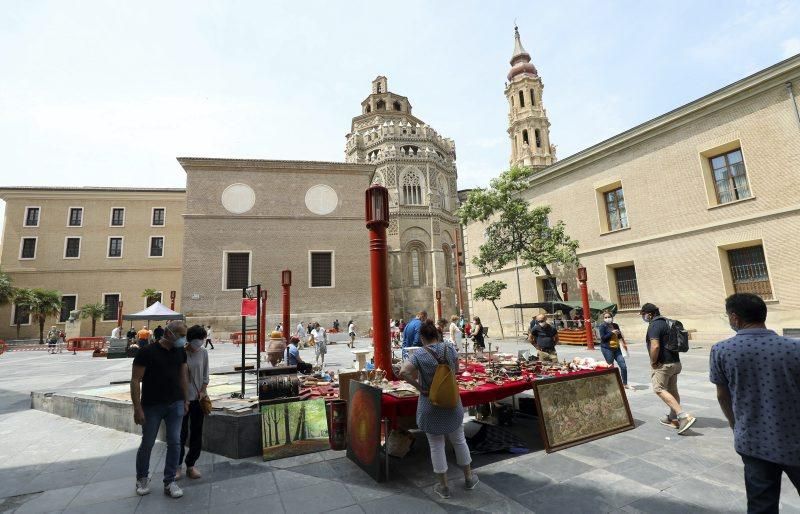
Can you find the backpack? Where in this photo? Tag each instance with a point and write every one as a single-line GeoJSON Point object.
{"type": "Point", "coordinates": [677, 336]}
{"type": "Point", "coordinates": [443, 392]}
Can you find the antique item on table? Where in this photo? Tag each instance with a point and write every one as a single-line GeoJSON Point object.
{"type": "Point", "coordinates": [281, 386]}
{"type": "Point", "coordinates": [364, 429]}
{"type": "Point", "coordinates": [575, 409]}
{"type": "Point", "coordinates": [377, 377]}
{"type": "Point", "coordinates": [276, 348]}
{"type": "Point", "coordinates": [293, 428]}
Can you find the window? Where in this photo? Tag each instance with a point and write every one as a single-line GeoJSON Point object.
{"type": "Point", "coordinates": [533, 98]}
{"type": "Point", "coordinates": [68, 304]}
{"type": "Point", "coordinates": [115, 247]}
{"type": "Point", "coordinates": [150, 300]}
{"type": "Point", "coordinates": [156, 246]}
{"type": "Point", "coordinates": [237, 270]}
{"type": "Point", "coordinates": [31, 216]}
{"type": "Point", "coordinates": [321, 269]}
{"type": "Point", "coordinates": [749, 271]}
{"type": "Point", "coordinates": [21, 315]}
{"type": "Point", "coordinates": [448, 265]}
{"type": "Point", "coordinates": [396, 106]}
{"type": "Point", "coordinates": [521, 99]}
{"type": "Point", "coordinates": [525, 137]}
{"type": "Point", "coordinates": [730, 177]}
{"type": "Point", "coordinates": [111, 302]}
{"type": "Point", "coordinates": [627, 287]}
{"type": "Point", "coordinates": [549, 290]}
{"type": "Point", "coordinates": [75, 217]}
{"type": "Point", "coordinates": [538, 138]}
{"type": "Point", "coordinates": [416, 264]}
{"type": "Point", "coordinates": [159, 214]}
{"type": "Point", "coordinates": [72, 248]}
{"type": "Point", "coordinates": [415, 268]}
{"type": "Point", "coordinates": [118, 217]}
{"type": "Point", "coordinates": [381, 105]}
{"type": "Point", "coordinates": [615, 209]}
{"type": "Point", "coordinates": [412, 189]}
{"type": "Point", "coordinates": [27, 249]}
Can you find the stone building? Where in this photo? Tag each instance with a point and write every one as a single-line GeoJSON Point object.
{"type": "Point", "coordinates": [418, 167]}
{"type": "Point", "coordinates": [94, 245]}
{"type": "Point", "coordinates": [680, 211]}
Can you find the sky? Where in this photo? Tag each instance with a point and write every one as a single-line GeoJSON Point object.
{"type": "Point", "coordinates": [109, 93]}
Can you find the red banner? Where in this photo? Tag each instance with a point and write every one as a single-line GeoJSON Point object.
{"type": "Point", "coordinates": [249, 306]}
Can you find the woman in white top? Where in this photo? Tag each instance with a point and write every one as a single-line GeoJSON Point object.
{"type": "Point", "coordinates": [351, 330]}
{"type": "Point", "coordinates": [455, 332]}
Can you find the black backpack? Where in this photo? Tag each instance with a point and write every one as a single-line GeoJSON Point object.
{"type": "Point", "coordinates": [677, 336]}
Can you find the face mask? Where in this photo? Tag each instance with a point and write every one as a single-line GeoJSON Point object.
{"type": "Point", "coordinates": [644, 318]}
{"type": "Point", "coordinates": [542, 323]}
{"type": "Point", "coordinates": [180, 342]}
{"type": "Point", "coordinates": [608, 320]}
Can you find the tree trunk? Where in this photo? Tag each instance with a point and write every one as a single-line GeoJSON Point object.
{"type": "Point", "coordinates": [288, 440]}
{"type": "Point", "coordinates": [18, 327]}
{"type": "Point", "coordinates": [275, 423]}
{"type": "Point", "coordinates": [94, 325]}
{"type": "Point", "coordinates": [499, 323]}
{"type": "Point", "coordinates": [41, 330]}
{"type": "Point", "coordinates": [298, 431]}
{"type": "Point", "coordinates": [553, 282]}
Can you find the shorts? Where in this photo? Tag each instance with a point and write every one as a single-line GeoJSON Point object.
{"type": "Point", "coordinates": [665, 378]}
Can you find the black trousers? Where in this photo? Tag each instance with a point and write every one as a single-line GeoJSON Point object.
{"type": "Point", "coordinates": [762, 479]}
{"type": "Point", "coordinates": [192, 431]}
{"type": "Point", "coordinates": [208, 342]}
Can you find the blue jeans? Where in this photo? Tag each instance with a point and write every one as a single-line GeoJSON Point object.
{"type": "Point", "coordinates": [616, 355]}
{"type": "Point", "coordinates": [172, 414]}
{"type": "Point", "coordinates": [762, 479]}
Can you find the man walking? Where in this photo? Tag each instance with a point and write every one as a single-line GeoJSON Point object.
{"type": "Point", "coordinates": [161, 370]}
{"type": "Point", "coordinates": [665, 366]}
{"type": "Point", "coordinates": [544, 337]}
{"type": "Point", "coordinates": [757, 374]}
{"type": "Point", "coordinates": [209, 335]}
{"type": "Point", "coordinates": [411, 332]}
{"type": "Point", "coordinates": [301, 334]}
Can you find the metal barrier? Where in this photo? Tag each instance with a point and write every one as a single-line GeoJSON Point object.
{"type": "Point", "coordinates": [250, 337]}
{"type": "Point", "coordinates": [82, 344]}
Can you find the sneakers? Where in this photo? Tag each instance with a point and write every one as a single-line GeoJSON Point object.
{"type": "Point", "coordinates": [193, 473]}
{"type": "Point", "coordinates": [442, 490]}
{"type": "Point", "coordinates": [472, 482]}
{"type": "Point", "coordinates": [172, 490]}
{"type": "Point", "coordinates": [685, 423]}
{"type": "Point", "coordinates": [669, 422]}
{"type": "Point", "coordinates": [143, 486]}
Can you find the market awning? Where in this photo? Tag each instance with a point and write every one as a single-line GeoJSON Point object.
{"type": "Point", "coordinates": [594, 306]}
{"type": "Point", "coordinates": [156, 312]}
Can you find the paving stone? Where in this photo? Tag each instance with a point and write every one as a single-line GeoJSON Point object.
{"type": "Point", "coordinates": [515, 481]}
{"type": "Point", "coordinates": [643, 472]}
{"type": "Point", "coordinates": [317, 498]}
{"type": "Point", "coordinates": [48, 501]}
{"type": "Point", "coordinates": [104, 491]}
{"type": "Point", "coordinates": [401, 503]}
{"type": "Point", "coordinates": [556, 466]}
{"type": "Point", "coordinates": [235, 490]}
{"type": "Point", "coordinates": [707, 494]}
{"type": "Point", "coordinates": [117, 506]}
{"type": "Point", "coordinates": [270, 503]}
{"type": "Point", "coordinates": [595, 454]}
{"type": "Point", "coordinates": [289, 480]}
{"type": "Point", "coordinates": [664, 503]}
{"type": "Point", "coordinates": [194, 499]}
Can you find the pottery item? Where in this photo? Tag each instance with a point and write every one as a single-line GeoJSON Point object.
{"type": "Point", "coordinates": [276, 348]}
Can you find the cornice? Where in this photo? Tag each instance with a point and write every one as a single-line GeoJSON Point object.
{"type": "Point", "coordinates": [268, 165]}
{"type": "Point", "coordinates": [55, 193]}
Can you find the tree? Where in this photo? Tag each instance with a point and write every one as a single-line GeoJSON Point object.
{"type": "Point", "coordinates": [44, 303]}
{"type": "Point", "coordinates": [6, 289]}
{"type": "Point", "coordinates": [23, 298]}
{"type": "Point", "coordinates": [94, 311]}
{"type": "Point", "coordinates": [152, 296]}
{"type": "Point", "coordinates": [491, 291]}
{"type": "Point", "coordinates": [515, 232]}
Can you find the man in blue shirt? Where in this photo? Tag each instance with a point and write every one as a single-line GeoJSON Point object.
{"type": "Point", "coordinates": [411, 332]}
{"type": "Point", "coordinates": [757, 374]}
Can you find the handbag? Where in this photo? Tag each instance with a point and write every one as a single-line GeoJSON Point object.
{"type": "Point", "coordinates": [205, 402]}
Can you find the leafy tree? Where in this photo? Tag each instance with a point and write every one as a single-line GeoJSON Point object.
{"type": "Point", "coordinates": [515, 232]}
{"type": "Point", "coordinates": [152, 296]}
{"type": "Point", "coordinates": [44, 303]}
{"type": "Point", "coordinates": [491, 291]}
{"type": "Point", "coordinates": [94, 311]}
{"type": "Point", "coordinates": [6, 289]}
{"type": "Point", "coordinates": [23, 300]}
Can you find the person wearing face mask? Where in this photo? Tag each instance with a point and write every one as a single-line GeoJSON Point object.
{"type": "Point", "coordinates": [665, 366]}
{"type": "Point", "coordinates": [160, 391]}
{"type": "Point", "coordinates": [612, 343]}
{"type": "Point", "coordinates": [192, 426]}
{"type": "Point", "coordinates": [756, 373]}
{"type": "Point", "coordinates": [544, 337]}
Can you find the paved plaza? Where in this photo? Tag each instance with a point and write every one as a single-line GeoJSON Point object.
{"type": "Point", "coordinates": [54, 464]}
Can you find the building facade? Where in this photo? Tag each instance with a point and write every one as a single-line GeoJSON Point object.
{"type": "Point", "coordinates": [680, 211]}
{"type": "Point", "coordinates": [418, 167]}
{"type": "Point", "coordinates": [93, 245]}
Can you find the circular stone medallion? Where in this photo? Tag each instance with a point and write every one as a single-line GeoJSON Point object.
{"type": "Point", "coordinates": [321, 199]}
{"type": "Point", "coordinates": [238, 198]}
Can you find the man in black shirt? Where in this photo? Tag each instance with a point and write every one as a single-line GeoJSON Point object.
{"type": "Point", "coordinates": [544, 338]}
{"type": "Point", "coordinates": [161, 370]}
{"type": "Point", "coordinates": [158, 333]}
{"type": "Point", "coordinates": [665, 367]}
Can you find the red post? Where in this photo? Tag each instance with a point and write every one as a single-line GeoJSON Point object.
{"type": "Point", "coordinates": [172, 300]}
{"type": "Point", "coordinates": [286, 282]}
{"type": "Point", "coordinates": [565, 291]}
{"type": "Point", "coordinates": [263, 326]}
{"type": "Point", "coordinates": [458, 255]}
{"type": "Point", "coordinates": [438, 305]}
{"type": "Point", "coordinates": [587, 313]}
{"type": "Point", "coordinates": [377, 218]}
{"type": "Point", "coordinates": [119, 315]}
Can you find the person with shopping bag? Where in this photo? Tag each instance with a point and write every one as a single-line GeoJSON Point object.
{"type": "Point", "coordinates": [199, 403]}
{"type": "Point", "coordinates": [613, 345]}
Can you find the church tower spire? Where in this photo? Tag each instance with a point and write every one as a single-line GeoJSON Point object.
{"type": "Point", "coordinates": [528, 126]}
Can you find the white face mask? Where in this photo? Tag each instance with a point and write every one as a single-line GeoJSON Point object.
{"type": "Point", "coordinates": [644, 318]}
{"type": "Point", "coordinates": [608, 320]}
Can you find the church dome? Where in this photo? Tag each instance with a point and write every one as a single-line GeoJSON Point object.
{"type": "Point", "coordinates": [520, 60]}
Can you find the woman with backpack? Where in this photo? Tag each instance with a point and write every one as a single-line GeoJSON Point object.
{"type": "Point", "coordinates": [439, 409]}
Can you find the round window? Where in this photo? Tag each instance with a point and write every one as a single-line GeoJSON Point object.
{"type": "Point", "coordinates": [238, 198]}
{"type": "Point", "coordinates": [321, 199]}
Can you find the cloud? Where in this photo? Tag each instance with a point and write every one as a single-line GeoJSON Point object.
{"type": "Point", "coordinates": [790, 47]}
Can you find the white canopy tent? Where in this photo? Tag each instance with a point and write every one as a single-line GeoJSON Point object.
{"type": "Point", "coordinates": [156, 312]}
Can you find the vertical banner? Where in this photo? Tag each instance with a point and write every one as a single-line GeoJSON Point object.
{"type": "Point", "coordinates": [249, 306]}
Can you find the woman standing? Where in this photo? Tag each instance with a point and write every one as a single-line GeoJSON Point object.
{"type": "Point", "coordinates": [320, 344]}
{"type": "Point", "coordinates": [351, 331]}
{"type": "Point", "coordinates": [192, 429]}
{"type": "Point", "coordinates": [438, 422]}
{"type": "Point", "coordinates": [477, 330]}
{"type": "Point", "coordinates": [455, 332]}
{"type": "Point", "coordinates": [611, 344]}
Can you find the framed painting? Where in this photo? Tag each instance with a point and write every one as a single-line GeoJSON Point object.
{"type": "Point", "coordinates": [293, 428]}
{"type": "Point", "coordinates": [364, 429]}
{"type": "Point", "coordinates": [576, 409]}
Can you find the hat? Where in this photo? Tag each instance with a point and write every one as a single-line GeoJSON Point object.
{"type": "Point", "coordinates": [648, 308]}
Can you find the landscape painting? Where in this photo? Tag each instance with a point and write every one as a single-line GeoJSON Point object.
{"type": "Point", "coordinates": [293, 428]}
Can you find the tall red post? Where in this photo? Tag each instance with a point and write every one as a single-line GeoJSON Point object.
{"type": "Point", "coordinates": [263, 327]}
{"type": "Point", "coordinates": [587, 313]}
{"type": "Point", "coordinates": [119, 315]}
{"type": "Point", "coordinates": [458, 254]}
{"type": "Point", "coordinates": [438, 305]}
{"type": "Point", "coordinates": [172, 295]}
{"type": "Point", "coordinates": [565, 291]}
{"type": "Point", "coordinates": [286, 282]}
{"type": "Point", "coordinates": [377, 218]}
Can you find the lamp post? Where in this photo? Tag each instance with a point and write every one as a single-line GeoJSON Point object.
{"type": "Point", "coordinates": [458, 254]}
{"type": "Point", "coordinates": [172, 300]}
{"type": "Point", "coordinates": [438, 305]}
{"type": "Point", "coordinates": [286, 283]}
{"type": "Point", "coordinates": [119, 316]}
{"type": "Point", "coordinates": [263, 326]}
{"type": "Point", "coordinates": [565, 291]}
{"type": "Point", "coordinates": [587, 314]}
{"type": "Point", "coordinates": [377, 218]}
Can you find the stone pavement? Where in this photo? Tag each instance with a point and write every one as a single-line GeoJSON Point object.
{"type": "Point", "coordinates": [53, 464]}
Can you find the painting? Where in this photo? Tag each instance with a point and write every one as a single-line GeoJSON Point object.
{"type": "Point", "coordinates": [575, 409]}
{"type": "Point", "coordinates": [293, 428]}
{"type": "Point", "coordinates": [364, 429]}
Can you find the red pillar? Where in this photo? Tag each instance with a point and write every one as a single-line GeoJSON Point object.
{"type": "Point", "coordinates": [565, 291]}
{"type": "Point", "coordinates": [263, 326]}
{"type": "Point", "coordinates": [587, 313]}
{"type": "Point", "coordinates": [377, 218]}
{"type": "Point", "coordinates": [119, 315]}
{"type": "Point", "coordinates": [172, 300]}
{"type": "Point", "coordinates": [438, 305]}
{"type": "Point", "coordinates": [286, 282]}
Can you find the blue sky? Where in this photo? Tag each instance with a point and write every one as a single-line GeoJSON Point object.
{"type": "Point", "coordinates": [109, 93]}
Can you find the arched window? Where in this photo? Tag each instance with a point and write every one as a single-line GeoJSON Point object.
{"type": "Point", "coordinates": [378, 90]}
{"type": "Point", "coordinates": [533, 98]}
{"type": "Point", "coordinates": [444, 193]}
{"type": "Point", "coordinates": [381, 105]}
{"type": "Point", "coordinates": [538, 138]}
{"type": "Point", "coordinates": [369, 108]}
{"type": "Point", "coordinates": [416, 252]}
{"type": "Point", "coordinates": [411, 150]}
{"type": "Point", "coordinates": [412, 188]}
{"type": "Point", "coordinates": [397, 106]}
{"type": "Point", "coordinates": [521, 99]}
{"type": "Point", "coordinates": [525, 137]}
{"type": "Point", "coordinates": [448, 265]}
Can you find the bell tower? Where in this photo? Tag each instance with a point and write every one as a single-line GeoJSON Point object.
{"type": "Point", "coordinates": [528, 126]}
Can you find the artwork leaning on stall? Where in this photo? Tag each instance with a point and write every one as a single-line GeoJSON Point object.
{"type": "Point", "coordinates": [575, 409]}
{"type": "Point", "coordinates": [293, 428]}
{"type": "Point", "coordinates": [364, 429]}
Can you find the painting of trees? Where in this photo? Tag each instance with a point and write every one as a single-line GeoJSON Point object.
{"type": "Point", "coordinates": [293, 428]}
